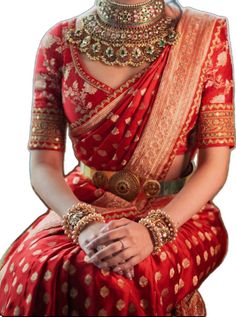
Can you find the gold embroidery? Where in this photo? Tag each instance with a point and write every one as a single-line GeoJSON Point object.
{"type": "Point", "coordinates": [48, 129]}
{"type": "Point", "coordinates": [173, 120]}
{"type": "Point", "coordinates": [216, 125]}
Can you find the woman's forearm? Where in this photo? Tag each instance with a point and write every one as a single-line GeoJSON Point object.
{"type": "Point", "coordinates": [51, 187]}
{"type": "Point", "coordinates": [204, 184]}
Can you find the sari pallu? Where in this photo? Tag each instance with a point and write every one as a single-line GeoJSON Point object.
{"type": "Point", "coordinates": [44, 273]}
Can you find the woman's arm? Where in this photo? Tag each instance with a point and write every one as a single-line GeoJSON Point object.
{"type": "Point", "coordinates": [47, 179]}
{"type": "Point", "coordinates": [206, 182]}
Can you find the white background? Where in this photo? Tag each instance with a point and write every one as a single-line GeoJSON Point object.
{"type": "Point", "coordinates": [22, 25]}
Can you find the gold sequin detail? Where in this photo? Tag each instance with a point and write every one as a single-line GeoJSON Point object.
{"type": "Point", "coordinates": [66, 265]}
{"type": "Point", "coordinates": [120, 304]}
{"type": "Point", "coordinates": [195, 280]}
{"type": "Point", "coordinates": [195, 240]}
{"type": "Point", "coordinates": [102, 312]}
{"type": "Point", "coordinates": [47, 275]}
{"type": "Point", "coordinates": [88, 279]}
{"type": "Point", "coordinates": [132, 308]}
{"type": "Point", "coordinates": [165, 292]}
{"type": "Point", "coordinates": [175, 249]}
{"type": "Point", "coordinates": [121, 283]}
{"type": "Point", "coordinates": [48, 129]}
{"type": "Point", "coordinates": [188, 244]}
{"type": "Point", "coordinates": [198, 260]}
{"type": "Point", "coordinates": [29, 299]}
{"type": "Point", "coordinates": [46, 298]}
{"type": "Point", "coordinates": [34, 276]}
{"type": "Point", "coordinates": [144, 303]}
{"type": "Point", "coordinates": [65, 310]}
{"type": "Point", "coordinates": [6, 288]}
{"type": "Point", "coordinates": [172, 272]}
{"type": "Point", "coordinates": [163, 256]}
{"type": "Point", "coordinates": [179, 267]}
{"type": "Point", "coordinates": [158, 276]}
{"type": "Point", "coordinates": [74, 292]}
{"type": "Point", "coordinates": [16, 311]}
{"type": "Point", "coordinates": [205, 256]}
{"type": "Point", "coordinates": [11, 267]}
{"type": "Point", "coordinates": [176, 288]}
{"type": "Point", "coordinates": [185, 263]}
{"type": "Point", "coordinates": [201, 236]}
{"type": "Point", "coordinates": [104, 291]}
{"type": "Point", "coordinates": [143, 281]}
{"type": "Point", "coordinates": [87, 302]}
{"type": "Point", "coordinates": [212, 251]}
{"type": "Point", "coordinates": [181, 283]}
{"type": "Point", "coordinates": [64, 287]}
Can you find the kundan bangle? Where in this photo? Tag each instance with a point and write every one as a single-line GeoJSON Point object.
{"type": "Point", "coordinates": [74, 214]}
{"type": "Point", "coordinates": [161, 227]}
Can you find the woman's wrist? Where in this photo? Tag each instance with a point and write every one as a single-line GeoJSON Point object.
{"type": "Point", "coordinates": [78, 217]}
{"type": "Point", "coordinates": [161, 228]}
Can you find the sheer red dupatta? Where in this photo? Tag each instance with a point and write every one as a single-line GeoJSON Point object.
{"type": "Point", "coordinates": [108, 139]}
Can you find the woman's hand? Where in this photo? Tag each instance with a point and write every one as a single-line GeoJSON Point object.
{"type": "Point", "coordinates": [135, 238]}
{"type": "Point", "coordinates": [88, 234]}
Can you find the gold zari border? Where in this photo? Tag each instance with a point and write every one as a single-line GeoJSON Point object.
{"type": "Point", "coordinates": [48, 129]}
{"type": "Point", "coordinates": [216, 125]}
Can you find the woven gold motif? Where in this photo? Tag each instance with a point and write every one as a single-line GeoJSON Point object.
{"type": "Point", "coordinates": [216, 124]}
{"type": "Point", "coordinates": [124, 34]}
{"type": "Point", "coordinates": [48, 129]}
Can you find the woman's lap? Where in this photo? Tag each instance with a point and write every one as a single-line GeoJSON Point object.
{"type": "Point", "coordinates": [47, 274]}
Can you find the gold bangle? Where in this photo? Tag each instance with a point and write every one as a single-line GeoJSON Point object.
{"type": "Point", "coordinates": [161, 227]}
{"type": "Point", "coordinates": [164, 222]}
{"type": "Point", "coordinates": [155, 234]}
{"type": "Point", "coordinates": [73, 214]}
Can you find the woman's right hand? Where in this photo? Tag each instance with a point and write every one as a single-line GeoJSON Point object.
{"type": "Point", "coordinates": [88, 234]}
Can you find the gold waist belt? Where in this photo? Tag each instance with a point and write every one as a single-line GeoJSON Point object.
{"type": "Point", "coordinates": [127, 185]}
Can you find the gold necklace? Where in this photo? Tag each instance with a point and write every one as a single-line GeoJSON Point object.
{"type": "Point", "coordinates": [124, 34]}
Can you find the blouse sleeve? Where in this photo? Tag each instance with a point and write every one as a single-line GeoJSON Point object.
{"type": "Point", "coordinates": [48, 121]}
{"type": "Point", "coordinates": [216, 120]}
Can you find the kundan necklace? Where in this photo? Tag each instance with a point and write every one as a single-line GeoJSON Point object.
{"type": "Point", "coordinates": [124, 34]}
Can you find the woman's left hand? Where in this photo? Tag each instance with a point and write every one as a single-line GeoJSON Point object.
{"type": "Point", "coordinates": [127, 244]}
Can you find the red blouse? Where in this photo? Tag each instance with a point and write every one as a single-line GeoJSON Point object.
{"type": "Point", "coordinates": [64, 92]}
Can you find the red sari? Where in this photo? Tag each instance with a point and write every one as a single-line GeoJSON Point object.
{"type": "Point", "coordinates": [182, 101]}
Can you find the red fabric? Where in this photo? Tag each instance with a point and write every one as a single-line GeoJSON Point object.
{"type": "Point", "coordinates": [62, 83]}
{"type": "Point", "coordinates": [47, 274]}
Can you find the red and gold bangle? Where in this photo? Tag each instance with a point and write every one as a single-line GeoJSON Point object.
{"type": "Point", "coordinates": [161, 227]}
{"type": "Point", "coordinates": [74, 214]}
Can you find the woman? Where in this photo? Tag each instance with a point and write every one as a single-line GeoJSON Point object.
{"type": "Point", "coordinates": [135, 136]}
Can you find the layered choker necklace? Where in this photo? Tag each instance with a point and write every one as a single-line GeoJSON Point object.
{"type": "Point", "coordinates": [124, 34]}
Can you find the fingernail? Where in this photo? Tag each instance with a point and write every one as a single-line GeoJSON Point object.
{"type": "Point", "coordinates": [86, 258]}
{"type": "Point", "coordinates": [104, 229]}
{"type": "Point", "coordinates": [129, 276]}
{"type": "Point", "coordinates": [117, 269]}
{"type": "Point", "coordinates": [90, 254]}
